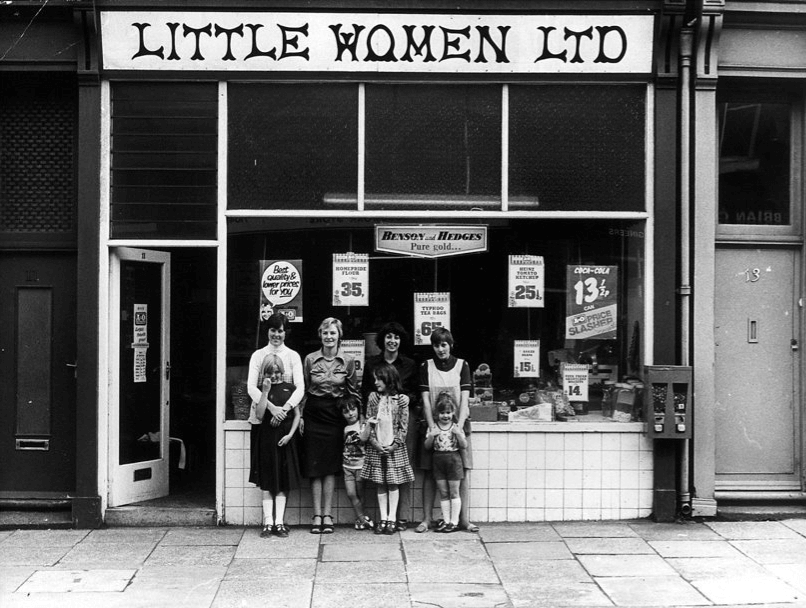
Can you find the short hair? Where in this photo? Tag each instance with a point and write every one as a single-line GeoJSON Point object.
{"type": "Point", "coordinates": [393, 327]}
{"type": "Point", "coordinates": [269, 364]}
{"type": "Point", "coordinates": [327, 323]}
{"type": "Point", "coordinates": [440, 335]}
{"type": "Point", "coordinates": [348, 402]}
{"type": "Point", "coordinates": [387, 373]}
{"type": "Point", "coordinates": [445, 402]}
{"type": "Point", "coordinates": [277, 321]}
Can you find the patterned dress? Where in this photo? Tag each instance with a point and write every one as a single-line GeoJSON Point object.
{"type": "Point", "coordinates": [393, 420]}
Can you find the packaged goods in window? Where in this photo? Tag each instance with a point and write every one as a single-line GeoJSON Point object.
{"type": "Point", "coordinates": [541, 412]}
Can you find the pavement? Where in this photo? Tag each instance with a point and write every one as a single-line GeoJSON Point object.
{"type": "Point", "coordinates": [624, 563]}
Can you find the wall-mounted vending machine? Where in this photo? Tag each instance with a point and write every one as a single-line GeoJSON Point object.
{"type": "Point", "coordinates": [667, 401]}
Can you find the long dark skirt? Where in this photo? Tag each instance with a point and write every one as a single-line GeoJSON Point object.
{"type": "Point", "coordinates": [278, 467]}
{"type": "Point", "coordinates": [323, 439]}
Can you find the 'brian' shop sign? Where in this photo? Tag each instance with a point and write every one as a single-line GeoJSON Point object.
{"type": "Point", "coordinates": [376, 42]}
{"type": "Point", "coordinates": [431, 241]}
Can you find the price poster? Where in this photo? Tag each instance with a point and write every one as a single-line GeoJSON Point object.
{"type": "Point", "coordinates": [281, 288]}
{"type": "Point", "coordinates": [527, 359]}
{"type": "Point", "coordinates": [355, 348]}
{"type": "Point", "coordinates": [140, 341]}
{"type": "Point", "coordinates": [350, 279]}
{"type": "Point", "coordinates": [575, 381]}
{"type": "Point", "coordinates": [591, 308]}
{"type": "Point", "coordinates": [431, 310]}
{"type": "Point", "coordinates": [526, 281]}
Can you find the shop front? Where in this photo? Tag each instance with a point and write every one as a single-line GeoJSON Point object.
{"type": "Point", "coordinates": [480, 172]}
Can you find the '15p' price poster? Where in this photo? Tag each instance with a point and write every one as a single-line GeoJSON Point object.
{"type": "Point", "coordinates": [350, 279]}
{"type": "Point", "coordinates": [526, 281]}
{"type": "Point", "coordinates": [527, 359]}
{"type": "Point", "coordinates": [431, 310]}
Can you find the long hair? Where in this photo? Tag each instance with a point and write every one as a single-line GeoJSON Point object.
{"type": "Point", "coordinates": [387, 374]}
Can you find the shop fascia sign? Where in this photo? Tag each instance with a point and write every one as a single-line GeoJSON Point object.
{"type": "Point", "coordinates": [431, 241]}
{"type": "Point", "coordinates": [376, 42]}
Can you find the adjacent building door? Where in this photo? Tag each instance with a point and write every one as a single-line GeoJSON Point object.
{"type": "Point", "coordinates": [140, 373]}
{"type": "Point", "coordinates": [37, 374]}
{"type": "Point", "coordinates": [758, 409]}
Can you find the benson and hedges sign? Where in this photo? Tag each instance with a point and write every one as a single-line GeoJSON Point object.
{"type": "Point", "coordinates": [376, 42]}
{"type": "Point", "coordinates": [431, 241]}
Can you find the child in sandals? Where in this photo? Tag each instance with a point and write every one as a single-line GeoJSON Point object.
{"type": "Point", "coordinates": [355, 436]}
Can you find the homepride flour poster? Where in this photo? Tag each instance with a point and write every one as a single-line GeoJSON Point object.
{"type": "Point", "coordinates": [281, 289]}
{"type": "Point", "coordinates": [592, 305]}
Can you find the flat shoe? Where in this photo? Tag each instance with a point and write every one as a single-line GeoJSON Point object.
{"type": "Point", "coordinates": [401, 525]}
{"type": "Point", "coordinates": [421, 527]}
{"type": "Point", "coordinates": [281, 531]}
{"type": "Point", "coordinates": [449, 528]}
{"type": "Point", "coordinates": [266, 531]}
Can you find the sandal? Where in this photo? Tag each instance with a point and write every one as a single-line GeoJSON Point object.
{"type": "Point", "coordinates": [327, 528]}
{"type": "Point", "coordinates": [380, 527]}
{"type": "Point", "coordinates": [421, 527]}
{"type": "Point", "coordinates": [443, 527]}
{"type": "Point", "coordinates": [448, 528]}
{"type": "Point", "coordinates": [469, 527]}
{"type": "Point", "coordinates": [316, 528]}
{"type": "Point", "coordinates": [364, 523]}
{"type": "Point", "coordinates": [401, 525]}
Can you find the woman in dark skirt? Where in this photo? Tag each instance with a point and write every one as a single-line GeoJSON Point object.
{"type": "Point", "coordinates": [329, 374]}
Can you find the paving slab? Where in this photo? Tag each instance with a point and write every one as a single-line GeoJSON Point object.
{"type": "Point", "coordinates": [99, 555]}
{"type": "Point", "coordinates": [554, 595]}
{"type": "Point", "coordinates": [684, 530]}
{"type": "Point", "coordinates": [793, 574]}
{"type": "Point", "coordinates": [609, 546]}
{"type": "Point", "coordinates": [475, 571]}
{"type": "Point", "coordinates": [694, 548]}
{"type": "Point", "coordinates": [501, 533]}
{"type": "Point", "coordinates": [359, 552]}
{"type": "Point", "coordinates": [454, 595]}
{"type": "Point", "coordinates": [626, 565]}
{"type": "Point", "coordinates": [260, 594]}
{"type": "Point", "coordinates": [503, 552]}
{"type": "Point", "coordinates": [126, 535]}
{"type": "Point", "coordinates": [775, 551]}
{"type": "Point", "coordinates": [297, 545]}
{"type": "Point", "coordinates": [50, 538]}
{"type": "Point", "coordinates": [22, 555]}
{"type": "Point", "coordinates": [352, 573]}
{"type": "Point", "coordinates": [752, 530]}
{"type": "Point", "coordinates": [77, 581]}
{"type": "Point", "coordinates": [747, 589]}
{"type": "Point", "coordinates": [193, 555]}
{"type": "Point", "coordinates": [351, 535]}
{"type": "Point", "coordinates": [543, 571]}
{"type": "Point", "coordinates": [651, 591]}
{"type": "Point", "coordinates": [709, 567]}
{"type": "Point", "coordinates": [594, 530]}
{"type": "Point", "coordinates": [798, 525]}
{"type": "Point", "coordinates": [441, 548]}
{"type": "Point", "coordinates": [374, 595]}
{"type": "Point", "coordinates": [203, 536]}
{"type": "Point", "coordinates": [12, 577]}
{"type": "Point", "coordinates": [290, 570]}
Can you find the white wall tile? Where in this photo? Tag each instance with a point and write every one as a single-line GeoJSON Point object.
{"type": "Point", "coordinates": [481, 441]}
{"type": "Point", "coordinates": [645, 479]}
{"type": "Point", "coordinates": [592, 478]}
{"type": "Point", "coordinates": [233, 497]}
{"type": "Point", "coordinates": [572, 479]}
{"type": "Point", "coordinates": [536, 479]}
{"type": "Point", "coordinates": [611, 460]}
{"type": "Point", "coordinates": [535, 498]}
{"type": "Point", "coordinates": [554, 515]}
{"type": "Point", "coordinates": [628, 499]}
{"type": "Point", "coordinates": [573, 441]}
{"type": "Point", "coordinates": [555, 442]}
{"type": "Point", "coordinates": [591, 499]}
{"type": "Point", "coordinates": [252, 497]}
{"type": "Point", "coordinates": [253, 516]}
{"type": "Point", "coordinates": [611, 441]}
{"type": "Point", "coordinates": [630, 441]}
{"type": "Point", "coordinates": [535, 441]}
{"type": "Point", "coordinates": [480, 478]}
{"type": "Point", "coordinates": [554, 460]}
{"type": "Point", "coordinates": [573, 459]}
{"type": "Point", "coordinates": [516, 459]}
{"type": "Point", "coordinates": [629, 480]}
{"type": "Point", "coordinates": [554, 499]}
{"type": "Point", "coordinates": [481, 460]}
{"type": "Point", "coordinates": [516, 514]}
{"type": "Point", "coordinates": [499, 459]}
{"type": "Point", "coordinates": [516, 499]}
{"type": "Point", "coordinates": [498, 514]}
{"type": "Point", "coordinates": [517, 441]}
{"type": "Point", "coordinates": [592, 441]}
{"type": "Point", "coordinates": [497, 478]}
{"type": "Point", "coordinates": [478, 515]}
{"type": "Point", "coordinates": [535, 460]}
{"type": "Point", "coordinates": [479, 497]}
{"type": "Point", "coordinates": [497, 499]}
{"type": "Point", "coordinates": [591, 460]}
{"type": "Point", "coordinates": [592, 514]}
{"type": "Point", "coordinates": [572, 499]}
{"type": "Point", "coordinates": [234, 459]}
{"type": "Point", "coordinates": [535, 514]}
{"type": "Point", "coordinates": [610, 500]}
{"type": "Point", "coordinates": [572, 514]}
{"type": "Point", "coordinates": [516, 479]}
{"type": "Point", "coordinates": [234, 516]}
{"type": "Point", "coordinates": [499, 441]}
{"type": "Point", "coordinates": [555, 479]}
{"type": "Point", "coordinates": [611, 480]}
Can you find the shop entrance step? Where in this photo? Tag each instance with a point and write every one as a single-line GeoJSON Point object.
{"type": "Point", "coordinates": [136, 515]}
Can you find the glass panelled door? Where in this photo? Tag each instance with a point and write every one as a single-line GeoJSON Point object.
{"type": "Point", "coordinates": [139, 395]}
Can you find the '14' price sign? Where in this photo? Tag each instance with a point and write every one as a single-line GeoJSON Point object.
{"type": "Point", "coordinates": [575, 381]}
{"type": "Point", "coordinates": [527, 359]}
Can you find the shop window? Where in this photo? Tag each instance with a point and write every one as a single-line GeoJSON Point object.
{"type": "Point", "coordinates": [164, 160]}
{"type": "Point", "coordinates": [431, 146]}
{"type": "Point", "coordinates": [754, 161]}
{"type": "Point", "coordinates": [290, 145]}
{"type": "Point", "coordinates": [606, 314]}
{"type": "Point", "coordinates": [38, 117]}
{"type": "Point", "coordinates": [577, 147]}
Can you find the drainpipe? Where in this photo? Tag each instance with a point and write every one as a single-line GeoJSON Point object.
{"type": "Point", "coordinates": [684, 290]}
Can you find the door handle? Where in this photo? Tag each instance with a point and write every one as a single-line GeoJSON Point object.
{"type": "Point", "coordinates": [75, 368]}
{"type": "Point", "coordinates": [752, 331]}
{"type": "Point", "coordinates": [794, 344]}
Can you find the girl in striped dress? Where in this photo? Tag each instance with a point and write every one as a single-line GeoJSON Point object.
{"type": "Point", "coordinates": [386, 462]}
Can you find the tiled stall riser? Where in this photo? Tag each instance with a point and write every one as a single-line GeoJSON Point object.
{"type": "Point", "coordinates": [521, 474]}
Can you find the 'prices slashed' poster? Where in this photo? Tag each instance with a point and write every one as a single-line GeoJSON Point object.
{"type": "Point", "coordinates": [592, 305]}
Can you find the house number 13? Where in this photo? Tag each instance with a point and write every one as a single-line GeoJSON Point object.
{"type": "Point", "coordinates": [751, 275]}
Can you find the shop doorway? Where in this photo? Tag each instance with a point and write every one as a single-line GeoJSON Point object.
{"type": "Point", "coordinates": [162, 400]}
{"type": "Point", "coordinates": [758, 412]}
{"type": "Point", "coordinates": [38, 372]}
